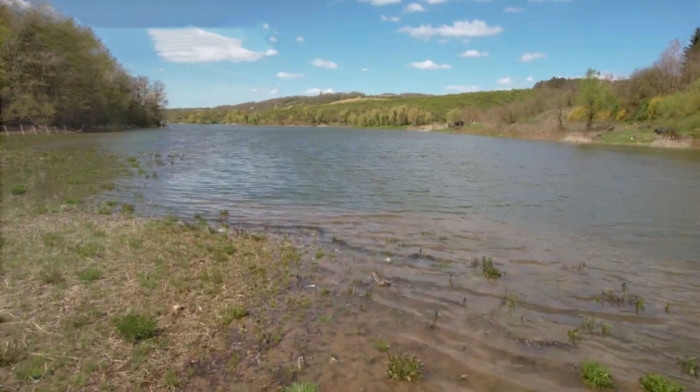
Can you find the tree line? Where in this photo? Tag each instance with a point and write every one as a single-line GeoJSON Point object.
{"type": "Point", "coordinates": [56, 72]}
{"type": "Point", "coordinates": [668, 91]}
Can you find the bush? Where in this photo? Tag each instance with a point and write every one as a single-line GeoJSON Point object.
{"type": "Point", "coordinates": [19, 190]}
{"type": "Point", "coordinates": [135, 326]}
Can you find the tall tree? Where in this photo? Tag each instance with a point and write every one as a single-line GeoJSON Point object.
{"type": "Point", "coordinates": [594, 95]}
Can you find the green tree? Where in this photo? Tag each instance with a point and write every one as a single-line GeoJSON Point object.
{"type": "Point", "coordinates": [594, 95]}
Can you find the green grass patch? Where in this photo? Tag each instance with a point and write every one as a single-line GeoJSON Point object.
{"type": "Point", "coordinates": [33, 368]}
{"type": "Point", "coordinates": [233, 312]}
{"type": "Point", "coordinates": [18, 190]}
{"type": "Point", "coordinates": [653, 382]}
{"type": "Point", "coordinates": [688, 366]}
{"type": "Point", "coordinates": [403, 367]}
{"type": "Point", "coordinates": [487, 268]}
{"type": "Point", "coordinates": [302, 387]}
{"type": "Point", "coordinates": [127, 208]}
{"type": "Point", "coordinates": [89, 274]}
{"type": "Point", "coordinates": [596, 376]}
{"type": "Point", "coordinates": [135, 326]}
{"type": "Point", "coordinates": [382, 346]}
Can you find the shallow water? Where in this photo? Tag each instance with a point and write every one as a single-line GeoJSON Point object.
{"type": "Point", "coordinates": [564, 222]}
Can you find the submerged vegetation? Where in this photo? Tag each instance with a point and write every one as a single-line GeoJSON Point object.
{"type": "Point", "coordinates": [596, 376]}
{"type": "Point", "coordinates": [653, 382]}
{"type": "Point", "coordinates": [404, 368]}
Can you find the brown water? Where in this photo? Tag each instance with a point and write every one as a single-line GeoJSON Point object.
{"type": "Point", "coordinates": [563, 222]}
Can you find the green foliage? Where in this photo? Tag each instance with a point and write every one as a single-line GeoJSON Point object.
{"type": "Point", "coordinates": [55, 71]}
{"type": "Point", "coordinates": [381, 346]}
{"type": "Point", "coordinates": [596, 376]}
{"type": "Point", "coordinates": [135, 326]}
{"type": "Point", "coordinates": [594, 95]}
{"type": "Point", "coordinates": [488, 269]}
{"type": "Point", "coordinates": [404, 368]}
{"type": "Point", "coordinates": [688, 366]}
{"type": "Point", "coordinates": [302, 387]}
{"type": "Point", "coordinates": [127, 208]}
{"type": "Point", "coordinates": [18, 190]}
{"type": "Point", "coordinates": [33, 368]}
{"type": "Point", "coordinates": [653, 382]}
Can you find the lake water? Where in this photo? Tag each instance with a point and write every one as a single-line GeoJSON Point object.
{"type": "Point", "coordinates": [564, 222]}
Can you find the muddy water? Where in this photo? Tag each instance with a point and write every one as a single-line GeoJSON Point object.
{"type": "Point", "coordinates": [564, 223]}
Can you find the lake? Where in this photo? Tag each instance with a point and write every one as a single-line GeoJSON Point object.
{"type": "Point", "coordinates": [567, 224]}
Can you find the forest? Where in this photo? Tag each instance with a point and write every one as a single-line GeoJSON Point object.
{"type": "Point", "coordinates": [666, 92]}
{"type": "Point", "coordinates": [54, 71]}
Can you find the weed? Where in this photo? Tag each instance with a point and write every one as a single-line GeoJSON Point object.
{"type": "Point", "coordinates": [404, 368]}
{"type": "Point", "coordinates": [596, 376]}
{"type": "Point", "coordinates": [488, 269]}
{"type": "Point", "coordinates": [574, 336]}
{"type": "Point", "coordinates": [233, 312]}
{"type": "Point", "coordinates": [108, 186]}
{"type": "Point", "coordinates": [89, 250]}
{"type": "Point", "coordinates": [10, 353]}
{"type": "Point", "coordinates": [18, 190]}
{"type": "Point", "coordinates": [688, 366]}
{"type": "Point", "coordinates": [653, 382]}
{"type": "Point", "coordinates": [170, 379]}
{"type": "Point", "coordinates": [51, 275]}
{"type": "Point", "coordinates": [319, 254]}
{"type": "Point", "coordinates": [511, 300]}
{"type": "Point", "coordinates": [147, 281]}
{"type": "Point", "coordinates": [33, 368]}
{"type": "Point", "coordinates": [325, 292]}
{"type": "Point", "coordinates": [381, 346]}
{"type": "Point", "coordinates": [89, 274]}
{"type": "Point", "coordinates": [127, 208]}
{"type": "Point", "coordinates": [667, 308]}
{"type": "Point", "coordinates": [588, 324]}
{"type": "Point", "coordinates": [638, 304]}
{"type": "Point", "coordinates": [302, 387]}
{"type": "Point", "coordinates": [605, 329]}
{"type": "Point", "coordinates": [135, 326]}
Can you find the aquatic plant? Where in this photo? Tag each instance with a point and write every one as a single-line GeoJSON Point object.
{"type": "Point", "coordinates": [127, 208]}
{"type": "Point", "coordinates": [574, 336]}
{"type": "Point", "coordinates": [654, 382]}
{"type": "Point", "coordinates": [488, 269]}
{"type": "Point", "coordinates": [404, 368]}
{"type": "Point", "coordinates": [596, 376]}
{"type": "Point", "coordinates": [688, 366]}
{"type": "Point", "coordinates": [511, 300]}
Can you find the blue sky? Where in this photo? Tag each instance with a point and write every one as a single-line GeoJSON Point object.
{"type": "Point", "coordinates": [216, 52]}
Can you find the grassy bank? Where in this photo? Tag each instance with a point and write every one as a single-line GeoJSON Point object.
{"type": "Point", "coordinates": [95, 298]}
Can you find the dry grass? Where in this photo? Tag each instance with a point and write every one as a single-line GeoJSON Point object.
{"type": "Point", "coordinates": [117, 302]}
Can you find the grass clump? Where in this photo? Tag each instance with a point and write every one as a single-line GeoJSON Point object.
{"type": "Point", "coordinates": [233, 312]}
{"type": "Point", "coordinates": [487, 268]}
{"type": "Point", "coordinates": [135, 326]}
{"type": "Point", "coordinates": [653, 382]}
{"type": "Point", "coordinates": [596, 376]}
{"type": "Point", "coordinates": [302, 387]}
{"type": "Point", "coordinates": [127, 208]}
{"type": "Point", "coordinates": [89, 274]}
{"type": "Point", "coordinates": [18, 190]}
{"type": "Point", "coordinates": [404, 368]}
{"type": "Point", "coordinates": [510, 300]}
{"type": "Point", "coordinates": [688, 366]}
{"type": "Point", "coordinates": [33, 368]}
{"type": "Point", "coordinates": [10, 353]}
{"type": "Point", "coordinates": [381, 346]}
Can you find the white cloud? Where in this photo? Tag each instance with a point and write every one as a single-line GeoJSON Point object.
{"type": "Point", "coordinates": [265, 91]}
{"type": "Point", "coordinates": [19, 3]}
{"type": "Point", "coordinates": [300, 39]}
{"type": "Point", "coordinates": [390, 18]}
{"type": "Point", "coordinates": [365, 69]}
{"type": "Point", "coordinates": [429, 65]}
{"type": "Point", "coordinates": [317, 91]}
{"type": "Point", "coordinates": [526, 57]}
{"type": "Point", "coordinates": [381, 2]}
{"type": "Point", "coordinates": [272, 39]}
{"type": "Point", "coordinates": [193, 45]}
{"type": "Point", "coordinates": [434, 1]}
{"type": "Point", "coordinates": [462, 88]}
{"type": "Point", "coordinates": [513, 10]}
{"type": "Point", "coordinates": [266, 26]}
{"type": "Point", "coordinates": [274, 91]}
{"type": "Point", "coordinates": [414, 7]}
{"type": "Point", "coordinates": [506, 80]}
{"type": "Point", "coordinates": [285, 75]}
{"type": "Point", "coordinates": [324, 64]}
{"type": "Point", "coordinates": [458, 29]}
{"type": "Point", "coordinates": [530, 79]}
{"type": "Point", "coordinates": [474, 53]}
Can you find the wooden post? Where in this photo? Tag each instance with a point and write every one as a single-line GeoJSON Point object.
{"type": "Point", "coordinates": [6, 132]}
{"type": "Point", "coordinates": [34, 129]}
{"type": "Point", "coordinates": [21, 128]}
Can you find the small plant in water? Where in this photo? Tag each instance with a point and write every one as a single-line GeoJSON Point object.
{"type": "Point", "coordinates": [574, 336]}
{"type": "Point", "coordinates": [488, 269]}
{"type": "Point", "coordinates": [404, 368]}
{"type": "Point", "coordinates": [596, 376]}
{"type": "Point", "coordinates": [605, 329]}
{"type": "Point", "coordinates": [688, 366]}
{"type": "Point", "coordinates": [302, 387]}
{"type": "Point", "coordinates": [653, 382]}
{"type": "Point", "coordinates": [511, 300]}
{"type": "Point", "coordinates": [135, 326]}
{"type": "Point", "coordinates": [127, 208]}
